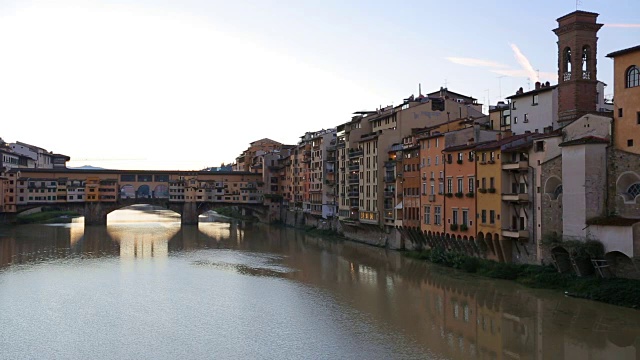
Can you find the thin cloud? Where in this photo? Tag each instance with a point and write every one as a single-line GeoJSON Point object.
{"type": "Point", "coordinates": [622, 25]}
{"type": "Point", "coordinates": [523, 73]}
{"type": "Point", "coordinates": [524, 63]}
{"type": "Point", "coordinates": [476, 62]}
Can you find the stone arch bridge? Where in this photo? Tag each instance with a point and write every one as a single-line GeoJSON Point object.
{"type": "Point", "coordinates": [96, 193]}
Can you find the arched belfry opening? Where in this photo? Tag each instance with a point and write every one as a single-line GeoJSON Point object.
{"type": "Point", "coordinates": [586, 59]}
{"type": "Point", "coordinates": [566, 64]}
{"type": "Point", "coordinates": [577, 72]}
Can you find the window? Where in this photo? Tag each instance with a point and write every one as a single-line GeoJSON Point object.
{"type": "Point", "coordinates": [539, 146]}
{"type": "Point", "coordinates": [471, 183]}
{"type": "Point", "coordinates": [526, 118]}
{"type": "Point", "coordinates": [513, 105]}
{"type": "Point", "coordinates": [465, 217]}
{"type": "Point", "coordinates": [460, 156]}
{"type": "Point", "coordinates": [460, 186]}
{"type": "Point", "coordinates": [630, 142]}
{"type": "Point", "coordinates": [437, 158]}
{"type": "Point", "coordinates": [454, 217]}
{"type": "Point", "coordinates": [484, 157]}
{"type": "Point", "coordinates": [437, 215]}
{"type": "Point", "coordinates": [535, 100]}
{"type": "Point", "coordinates": [515, 119]}
{"type": "Point", "coordinates": [620, 112]}
{"type": "Point", "coordinates": [634, 190]}
{"type": "Point", "coordinates": [449, 185]}
{"type": "Point", "coordinates": [427, 214]}
{"type": "Point", "coordinates": [491, 183]}
{"type": "Point", "coordinates": [633, 77]}
{"type": "Point", "coordinates": [638, 115]}
{"type": "Point", "coordinates": [484, 216]}
{"type": "Point", "coordinates": [492, 216]}
{"type": "Point", "coordinates": [484, 183]}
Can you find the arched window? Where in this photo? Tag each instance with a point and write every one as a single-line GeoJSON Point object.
{"type": "Point", "coordinates": [557, 191]}
{"type": "Point", "coordinates": [566, 64]}
{"type": "Point", "coordinates": [633, 77]}
{"type": "Point", "coordinates": [634, 190]}
{"type": "Point", "coordinates": [586, 58]}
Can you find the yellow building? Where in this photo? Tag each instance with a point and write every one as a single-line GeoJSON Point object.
{"type": "Point", "coordinates": [489, 202]}
{"type": "Point", "coordinates": [626, 88]}
{"type": "Point", "coordinates": [91, 189]}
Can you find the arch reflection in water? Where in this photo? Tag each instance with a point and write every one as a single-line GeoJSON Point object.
{"type": "Point", "coordinates": [143, 240]}
{"type": "Point", "coordinates": [143, 231]}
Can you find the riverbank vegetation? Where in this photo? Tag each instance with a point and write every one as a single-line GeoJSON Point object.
{"type": "Point", "coordinates": [617, 291]}
{"type": "Point", "coordinates": [234, 213]}
{"type": "Point", "coordinates": [47, 216]}
{"type": "Point", "coordinates": [324, 233]}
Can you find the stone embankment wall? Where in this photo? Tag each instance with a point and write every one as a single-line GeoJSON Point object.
{"type": "Point", "coordinates": [367, 234]}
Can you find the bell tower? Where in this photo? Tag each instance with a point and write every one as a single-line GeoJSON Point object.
{"type": "Point", "coordinates": [577, 80]}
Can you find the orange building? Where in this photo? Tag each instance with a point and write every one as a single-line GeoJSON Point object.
{"type": "Point", "coordinates": [626, 88]}
{"type": "Point", "coordinates": [410, 182]}
{"type": "Point", "coordinates": [432, 194]}
{"type": "Point", "coordinates": [460, 184]}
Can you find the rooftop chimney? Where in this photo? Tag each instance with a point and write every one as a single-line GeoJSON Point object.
{"type": "Point", "coordinates": [537, 85]}
{"type": "Point", "coordinates": [498, 136]}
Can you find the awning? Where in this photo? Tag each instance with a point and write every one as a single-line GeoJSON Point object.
{"type": "Point", "coordinates": [399, 206]}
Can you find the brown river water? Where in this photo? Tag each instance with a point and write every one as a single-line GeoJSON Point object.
{"type": "Point", "coordinates": [145, 287]}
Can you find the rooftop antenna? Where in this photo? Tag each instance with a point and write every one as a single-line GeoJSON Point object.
{"type": "Point", "coordinates": [500, 86]}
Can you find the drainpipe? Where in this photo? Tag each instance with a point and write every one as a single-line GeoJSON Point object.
{"type": "Point", "coordinates": [444, 198]}
{"type": "Point", "coordinates": [535, 210]}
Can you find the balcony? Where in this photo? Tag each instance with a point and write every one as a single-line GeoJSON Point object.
{"type": "Point", "coordinates": [355, 154]}
{"type": "Point", "coordinates": [355, 167]}
{"type": "Point", "coordinates": [390, 164]}
{"type": "Point", "coordinates": [515, 233]}
{"type": "Point", "coordinates": [331, 159]}
{"type": "Point", "coordinates": [390, 179]}
{"type": "Point", "coordinates": [353, 194]}
{"type": "Point", "coordinates": [517, 165]}
{"type": "Point", "coordinates": [354, 180]}
{"type": "Point", "coordinates": [389, 194]}
{"type": "Point", "coordinates": [524, 197]}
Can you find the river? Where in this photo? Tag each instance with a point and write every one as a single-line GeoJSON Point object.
{"type": "Point", "coordinates": [145, 287]}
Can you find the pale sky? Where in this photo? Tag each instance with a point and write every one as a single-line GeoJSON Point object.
{"type": "Point", "coordinates": [144, 84]}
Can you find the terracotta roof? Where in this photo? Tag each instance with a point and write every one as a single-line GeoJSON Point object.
{"type": "Point", "coordinates": [624, 51]}
{"type": "Point", "coordinates": [612, 221]}
{"type": "Point", "coordinates": [585, 140]}
{"type": "Point", "coordinates": [498, 143]}
{"type": "Point", "coordinates": [465, 146]}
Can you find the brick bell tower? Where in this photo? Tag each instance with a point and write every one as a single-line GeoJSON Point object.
{"type": "Point", "coordinates": [577, 80]}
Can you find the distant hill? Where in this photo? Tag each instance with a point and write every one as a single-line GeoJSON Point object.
{"type": "Point", "coordinates": [87, 167]}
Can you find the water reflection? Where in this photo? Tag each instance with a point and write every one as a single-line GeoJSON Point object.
{"type": "Point", "coordinates": [434, 312]}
